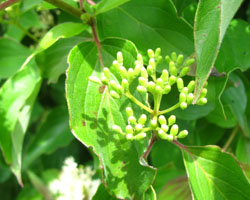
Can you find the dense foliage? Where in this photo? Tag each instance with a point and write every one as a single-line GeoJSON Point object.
{"type": "Point", "coordinates": [91, 93]}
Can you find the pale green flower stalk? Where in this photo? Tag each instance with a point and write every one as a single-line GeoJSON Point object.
{"type": "Point", "coordinates": [74, 183]}
{"type": "Point", "coordinates": [159, 85]}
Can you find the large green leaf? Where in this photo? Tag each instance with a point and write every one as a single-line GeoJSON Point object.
{"type": "Point", "coordinates": [215, 175]}
{"type": "Point", "coordinates": [53, 133]}
{"type": "Point", "coordinates": [235, 48]}
{"type": "Point", "coordinates": [102, 193]}
{"type": "Point", "coordinates": [17, 96]}
{"type": "Point", "coordinates": [12, 56]}
{"type": "Point", "coordinates": [93, 112]}
{"type": "Point", "coordinates": [243, 150]}
{"type": "Point", "coordinates": [106, 5]}
{"type": "Point", "coordinates": [211, 21]}
{"type": "Point", "coordinates": [149, 24]}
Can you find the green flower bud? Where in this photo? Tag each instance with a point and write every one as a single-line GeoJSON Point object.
{"type": "Point", "coordinates": [137, 70]}
{"type": "Point", "coordinates": [144, 73]}
{"type": "Point", "coordinates": [182, 97]}
{"type": "Point", "coordinates": [173, 56]}
{"type": "Point", "coordinates": [182, 134]}
{"type": "Point", "coordinates": [203, 92]}
{"type": "Point", "coordinates": [174, 130]}
{"type": "Point", "coordinates": [123, 72]}
{"type": "Point", "coordinates": [168, 59]}
{"type": "Point", "coordinates": [170, 138]}
{"type": "Point", "coordinates": [159, 59]}
{"type": "Point", "coordinates": [142, 120]}
{"type": "Point", "coordinates": [162, 119]}
{"type": "Point", "coordinates": [153, 123]}
{"type": "Point", "coordinates": [125, 85]}
{"type": "Point", "coordinates": [131, 74]}
{"type": "Point", "coordinates": [114, 94]}
{"type": "Point", "coordinates": [185, 90]}
{"type": "Point", "coordinates": [157, 52]}
{"type": "Point", "coordinates": [205, 85]}
{"type": "Point", "coordinates": [104, 80]}
{"type": "Point", "coordinates": [129, 137]}
{"type": "Point", "coordinates": [106, 72]}
{"type": "Point", "coordinates": [160, 82]}
{"type": "Point", "coordinates": [179, 60]}
{"type": "Point", "coordinates": [158, 90]}
{"type": "Point", "coordinates": [95, 79]}
{"type": "Point", "coordinates": [129, 111]}
{"type": "Point", "coordinates": [151, 86]}
{"type": "Point", "coordinates": [183, 105]}
{"type": "Point", "coordinates": [164, 127]}
{"type": "Point", "coordinates": [132, 120]}
{"type": "Point", "coordinates": [171, 120]}
{"type": "Point", "coordinates": [151, 53]}
{"type": "Point", "coordinates": [184, 71]}
{"type": "Point", "coordinates": [129, 129]}
{"type": "Point", "coordinates": [140, 136]}
{"type": "Point", "coordinates": [166, 89]}
{"type": "Point", "coordinates": [190, 61]}
{"type": "Point", "coordinates": [116, 86]}
{"type": "Point", "coordinates": [116, 65]}
{"type": "Point", "coordinates": [191, 86]}
{"type": "Point", "coordinates": [141, 89]}
{"type": "Point", "coordinates": [143, 81]}
{"type": "Point", "coordinates": [152, 63]}
{"type": "Point", "coordinates": [162, 134]}
{"type": "Point", "coordinates": [150, 70]}
{"type": "Point", "coordinates": [202, 101]}
{"type": "Point", "coordinates": [139, 58]}
{"type": "Point", "coordinates": [172, 68]}
{"type": "Point", "coordinates": [180, 84]}
{"type": "Point", "coordinates": [190, 98]}
{"type": "Point", "coordinates": [138, 127]}
{"type": "Point", "coordinates": [172, 80]}
{"type": "Point", "coordinates": [117, 129]}
{"type": "Point", "coordinates": [119, 57]}
{"type": "Point", "coordinates": [165, 75]}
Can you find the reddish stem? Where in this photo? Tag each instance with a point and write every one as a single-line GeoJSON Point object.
{"type": "Point", "coordinates": [7, 4]}
{"type": "Point", "coordinates": [145, 155]}
{"type": "Point", "coordinates": [91, 2]}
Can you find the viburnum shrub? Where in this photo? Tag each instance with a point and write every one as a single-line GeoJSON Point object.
{"type": "Point", "coordinates": [156, 84]}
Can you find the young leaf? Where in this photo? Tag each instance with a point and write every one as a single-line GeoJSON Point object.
{"type": "Point", "coordinates": [93, 112]}
{"type": "Point", "coordinates": [214, 175]}
{"type": "Point", "coordinates": [211, 21]}
{"type": "Point", "coordinates": [106, 5]}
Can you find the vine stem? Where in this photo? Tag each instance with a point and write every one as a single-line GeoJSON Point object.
{"type": "Point", "coordinates": [7, 4]}
{"type": "Point", "coordinates": [230, 139]}
{"type": "Point", "coordinates": [152, 141]}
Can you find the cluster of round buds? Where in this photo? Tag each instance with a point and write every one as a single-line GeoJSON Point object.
{"type": "Point", "coordinates": [135, 129]}
{"type": "Point", "coordinates": [167, 129]}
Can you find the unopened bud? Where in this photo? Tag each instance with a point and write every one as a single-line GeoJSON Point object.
{"type": "Point", "coordinates": [150, 70]}
{"type": "Point", "coordinates": [116, 86]}
{"type": "Point", "coordinates": [180, 84]}
{"type": "Point", "coordinates": [143, 81]}
{"type": "Point", "coordinates": [191, 86]}
{"type": "Point", "coordinates": [137, 70]}
{"type": "Point", "coordinates": [153, 123]}
{"type": "Point", "coordinates": [141, 89]}
{"type": "Point", "coordinates": [117, 129]}
{"type": "Point", "coordinates": [151, 53]}
{"type": "Point", "coordinates": [174, 56]}
{"type": "Point", "coordinates": [125, 84]}
{"type": "Point", "coordinates": [205, 85]}
{"type": "Point", "coordinates": [168, 59]}
{"type": "Point", "coordinates": [138, 127]}
{"type": "Point", "coordinates": [160, 82]}
{"type": "Point", "coordinates": [203, 92]}
{"type": "Point", "coordinates": [184, 71]}
{"type": "Point", "coordinates": [190, 98]}
{"type": "Point", "coordinates": [174, 130]}
{"type": "Point", "coordinates": [104, 80]}
{"type": "Point", "coordinates": [158, 90]}
{"type": "Point", "coordinates": [179, 59]}
{"type": "Point", "coordinates": [129, 129]}
{"type": "Point", "coordinates": [123, 72]}
{"type": "Point", "coordinates": [116, 65]}
{"type": "Point", "coordinates": [172, 80]}
{"type": "Point", "coordinates": [131, 74]}
{"type": "Point", "coordinates": [162, 134]}
{"type": "Point", "coordinates": [166, 89]}
{"type": "Point", "coordinates": [151, 86]}
{"type": "Point", "coordinates": [144, 73]}
{"type": "Point", "coordinates": [183, 105]}
{"type": "Point", "coordinates": [182, 134]}
{"type": "Point", "coordinates": [132, 120]}
{"type": "Point", "coordinates": [106, 72]}
{"type": "Point", "coordinates": [164, 127]}
{"type": "Point", "coordinates": [182, 97]}
{"type": "Point", "coordinates": [152, 63]}
{"type": "Point", "coordinates": [129, 137]}
{"type": "Point", "coordinates": [119, 57]}
{"type": "Point", "coordinates": [159, 59]}
{"type": "Point", "coordinates": [140, 136]}
{"type": "Point", "coordinates": [172, 68]}
{"type": "Point", "coordinates": [171, 120]}
{"type": "Point", "coordinates": [202, 101]}
{"type": "Point", "coordinates": [142, 120]}
{"type": "Point", "coordinates": [162, 119]}
{"type": "Point", "coordinates": [157, 52]}
{"type": "Point", "coordinates": [185, 90]}
{"type": "Point", "coordinates": [139, 58]}
{"type": "Point", "coordinates": [129, 111]}
{"type": "Point", "coordinates": [114, 94]}
{"type": "Point", "coordinates": [190, 61]}
{"type": "Point", "coordinates": [95, 79]}
{"type": "Point", "coordinates": [164, 75]}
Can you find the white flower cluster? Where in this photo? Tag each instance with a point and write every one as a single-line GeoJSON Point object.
{"type": "Point", "coordinates": [74, 183]}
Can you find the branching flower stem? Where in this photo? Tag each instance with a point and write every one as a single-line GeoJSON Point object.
{"type": "Point", "coordinates": [169, 109]}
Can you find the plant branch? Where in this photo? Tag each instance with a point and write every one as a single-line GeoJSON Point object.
{"type": "Point", "coordinates": [230, 139]}
{"type": "Point", "coordinates": [132, 98]}
{"type": "Point", "coordinates": [66, 7]}
{"type": "Point", "coordinates": [7, 4]}
{"type": "Point", "coordinates": [91, 2]}
{"type": "Point", "coordinates": [26, 32]}
{"type": "Point", "coordinates": [169, 109]}
{"type": "Point", "coordinates": [152, 141]}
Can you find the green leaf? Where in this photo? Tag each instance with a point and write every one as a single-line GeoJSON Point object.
{"type": "Point", "coordinates": [157, 25]}
{"type": "Point", "coordinates": [243, 150]}
{"type": "Point", "coordinates": [106, 5]}
{"type": "Point", "coordinates": [93, 112]}
{"type": "Point", "coordinates": [64, 30]}
{"type": "Point", "coordinates": [102, 193]}
{"type": "Point", "coordinates": [29, 4]}
{"type": "Point", "coordinates": [12, 56]}
{"type": "Point", "coordinates": [214, 175]}
{"type": "Point", "coordinates": [53, 133]}
{"type": "Point", "coordinates": [17, 96]}
{"type": "Point", "coordinates": [235, 48]}
{"type": "Point", "coordinates": [211, 21]}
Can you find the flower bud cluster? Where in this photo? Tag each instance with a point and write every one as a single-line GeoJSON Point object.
{"type": "Point", "coordinates": [167, 129]}
{"type": "Point", "coordinates": [135, 129]}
